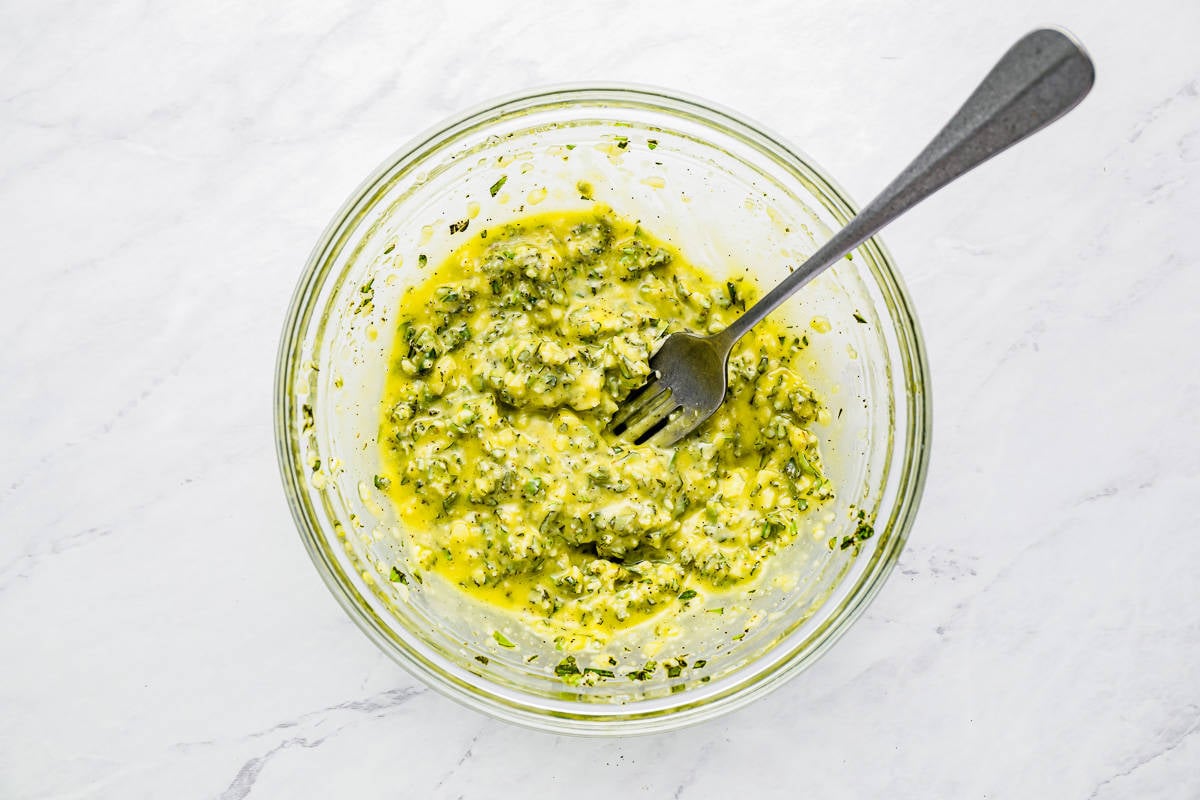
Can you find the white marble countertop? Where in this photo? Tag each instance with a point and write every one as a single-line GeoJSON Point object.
{"type": "Point", "coordinates": [166, 168]}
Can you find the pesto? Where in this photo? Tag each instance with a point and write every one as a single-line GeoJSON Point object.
{"type": "Point", "coordinates": [509, 362]}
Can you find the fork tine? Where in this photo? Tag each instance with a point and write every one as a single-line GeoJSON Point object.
{"type": "Point", "coordinates": [651, 414]}
{"type": "Point", "coordinates": [634, 403]}
{"type": "Point", "coordinates": [677, 428]}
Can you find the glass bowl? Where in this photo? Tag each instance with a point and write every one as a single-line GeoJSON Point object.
{"type": "Point", "coordinates": [729, 195]}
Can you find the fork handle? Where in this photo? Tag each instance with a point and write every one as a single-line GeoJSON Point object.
{"type": "Point", "coordinates": [1042, 77]}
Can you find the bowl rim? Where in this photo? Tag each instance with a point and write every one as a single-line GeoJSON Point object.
{"type": "Point", "coordinates": [912, 463]}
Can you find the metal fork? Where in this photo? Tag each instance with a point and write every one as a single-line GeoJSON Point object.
{"type": "Point", "coordinates": [1042, 77]}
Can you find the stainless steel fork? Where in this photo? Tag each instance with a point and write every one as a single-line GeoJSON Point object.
{"type": "Point", "coordinates": [1042, 77]}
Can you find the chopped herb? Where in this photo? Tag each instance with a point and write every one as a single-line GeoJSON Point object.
{"type": "Point", "coordinates": [603, 673]}
{"type": "Point", "coordinates": [652, 143]}
{"type": "Point", "coordinates": [389, 248]}
{"type": "Point", "coordinates": [860, 318]}
{"type": "Point", "coordinates": [382, 482]}
{"type": "Point", "coordinates": [567, 667]}
{"type": "Point", "coordinates": [687, 594]}
{"type": "Point", "coordinates": [501, 639]}
{"type": "Point", "coordinates": [798, 464]}
{"type": "Point", "coordinates": [459, 227]}
{"type": "Point", "coordinates": [720, 610]}
{"type": "Point", "coordinates": [306, 413]}
{"type": "Point", "coordinates": [498, 185]}
{"type": "Point", "coordinates": [570, 147]}
{"type": "Point", "coordinates": [422, 260]}
{"type": "Point", "coordinates": [644, 673]}
{"type": "Point", "coordinates": [700, 664]}
{"type": "Point", "coordinates": [368, 294]}
{"type": "Point", "coordinates": [622, 142]}
{"type": "Point", "coordinates": [482, 660]}
{"type": "Point", "coordinates": [316, 465]}
{"type": "Point", "coordinates": [397, 576]}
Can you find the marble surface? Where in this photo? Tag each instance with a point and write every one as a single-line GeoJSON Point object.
{"type": "Point", "coordinates": [164, 170]}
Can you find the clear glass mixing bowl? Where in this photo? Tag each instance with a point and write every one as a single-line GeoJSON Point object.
{"type": "Point", "coordinates": [729, 195]}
